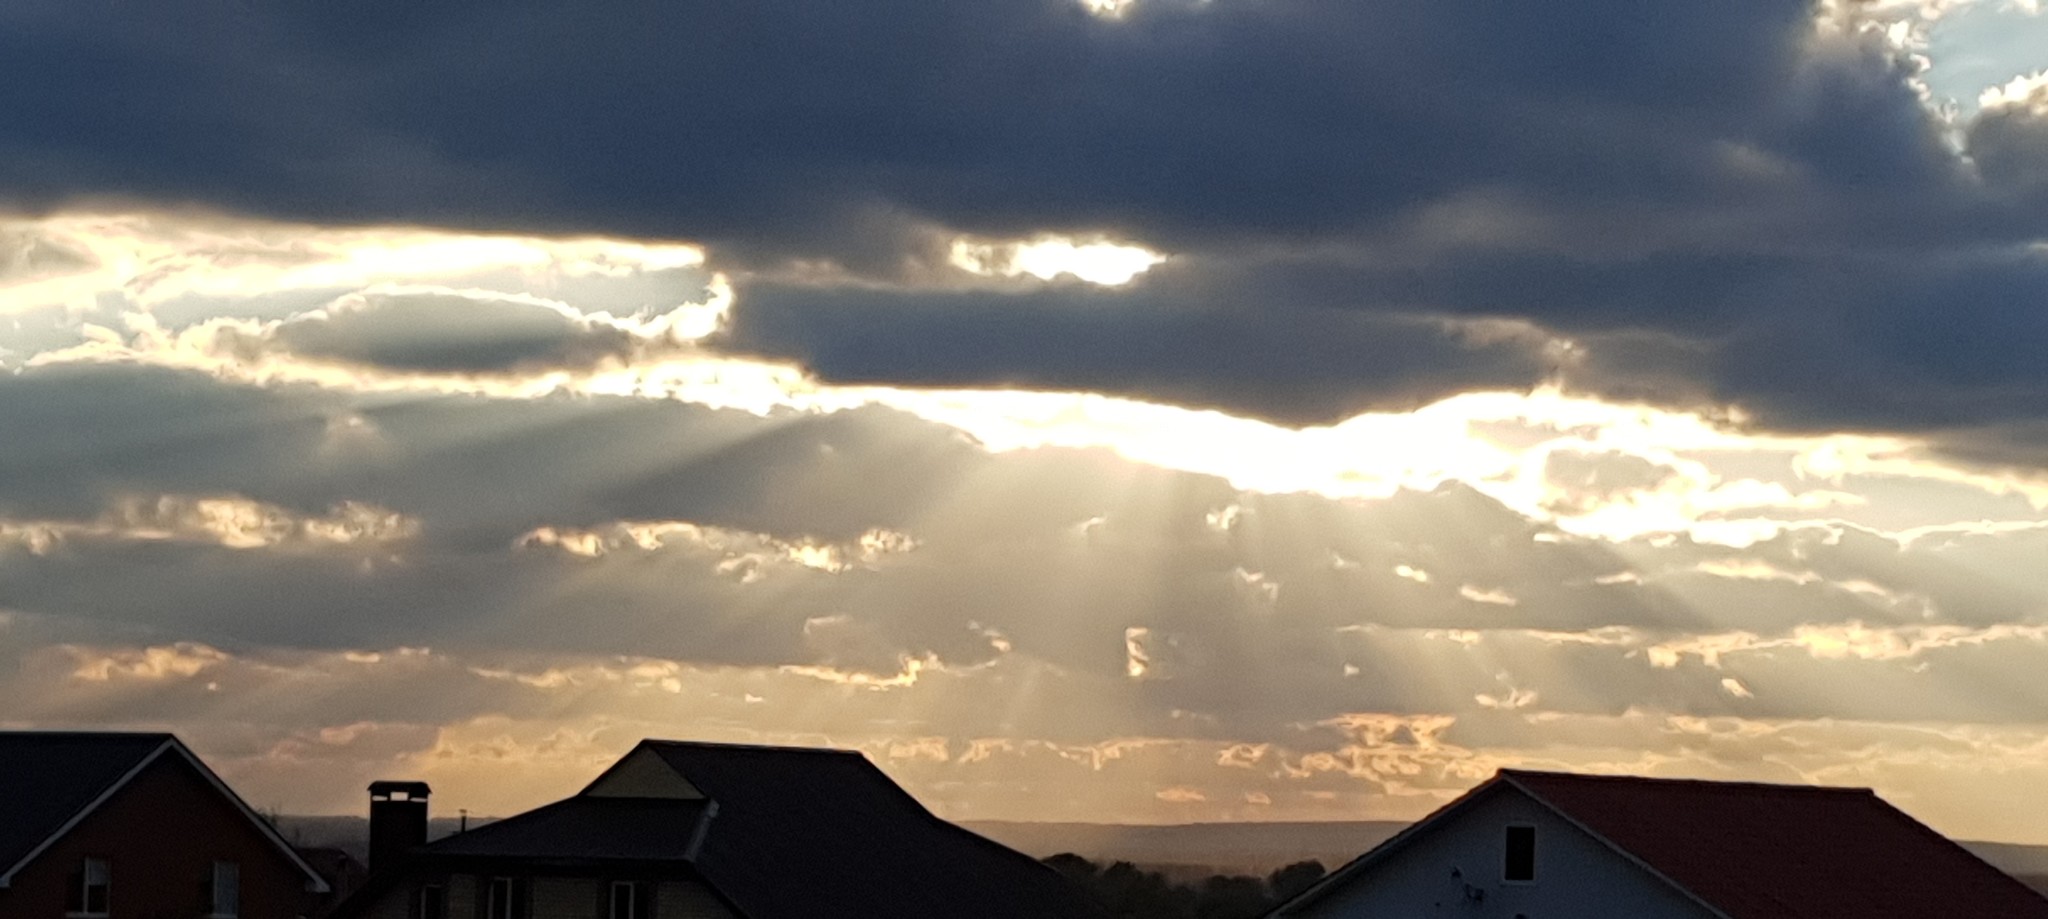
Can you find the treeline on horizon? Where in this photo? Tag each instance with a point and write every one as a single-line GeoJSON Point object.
{"type": "Point", "coordinates": [1129, 892]}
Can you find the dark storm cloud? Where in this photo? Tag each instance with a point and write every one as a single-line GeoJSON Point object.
{"type": "Point", "coordinates": [1923, 341]}
{"type": "Point", "coordinates": [2009, 142]}
{"type": "Point", "coordinates": [81, 435]}
{"type": "Point", "coordinates": [1198, 349]}
{"type": "Point", "coordinates": [1181, 121]}
{"type": "Point", "coordinates": [1770, 204]}
{"type": "Point", "coordinates": [452, 333]}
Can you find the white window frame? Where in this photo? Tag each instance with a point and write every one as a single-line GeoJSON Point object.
{"type": "Point", "coordinates": [231, 873]}
{"type": "Point", "coordinates": [495, 908]}
{"type": "Point", "coordinates": [106, 885]}
{"type": "Point", "coordinates": [632, 900]}
{"type": "Point", "coordinates": [430, 893]}
{"type": "Point", "coordinates": [1533, 872]}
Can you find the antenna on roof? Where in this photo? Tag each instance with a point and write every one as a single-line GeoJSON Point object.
{"type": "Point", "coordinates": [703, 829]}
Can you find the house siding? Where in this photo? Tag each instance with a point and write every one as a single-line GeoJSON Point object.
{"type": "Point", "coordinates": [687, 900]}
{"type": "Point", "coordinates": [565, 898]}
{"type": "Point", "coordinates": [161, 834]}
{"type": "Point", "coordinates": [549, 897]}
{"type": "Point", "coordinates": [464, 892]}
{"type": "Point", "coordinates": [1577, 876]}
{"type": "Point", "coordinates": [395, 906]}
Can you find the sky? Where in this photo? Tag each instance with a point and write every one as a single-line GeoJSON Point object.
{"type": "Point", "coordinates": [1142, 411]}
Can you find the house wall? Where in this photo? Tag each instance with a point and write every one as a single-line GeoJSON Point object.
{"type": "Point", "coordinates": [550, 897]}
{"type": "Point", "coordinates": [160, 835]}
{"type": "Point", "coordinates": [465, 893]}
{"type": "Point", "coordinates": [566, 898]}
{"type": "Point", "coordinates": [1577, 876]}
{"type": "Point", "coordinates": [688, 900]}
{"type": "Point", "coordinates": [397, 904]}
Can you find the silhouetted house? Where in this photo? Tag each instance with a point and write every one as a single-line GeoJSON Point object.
{"type": "Point", "coordinates": [1540, 844]}
{"type": "Point", "coordinates": [342, 871]}
{"type": "Point", "coordinates": [686, 830]}
{"type": "Point", "coordinates": [133, 826]}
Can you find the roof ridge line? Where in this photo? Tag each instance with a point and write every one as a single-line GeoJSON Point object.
{"type": "Point", "coordinates": [1682, 780]}
{"type": "Point", "coordinates": [68, 732]}
{"type": "Point", "coordinates": [765, 748]}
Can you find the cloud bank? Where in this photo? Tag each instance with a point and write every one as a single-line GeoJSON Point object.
{"type": "Point", "coordinates": [1234, 409]}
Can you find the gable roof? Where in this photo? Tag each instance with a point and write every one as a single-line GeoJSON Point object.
{"type": "Point", "coordinates": [809, 832]}
{"type": "Point", "coordinates": [1748, 850]}
{"type": "Point", "coordinates": [50, 778]}
{"type": "Point", "coordinates": [53, 780]}
{"type": "Point", "coordinates": [774, 832]}
{"type": "Point", "coordinates": [585, 829]}
{"type": "Point", "coordinates": [1785, 851]}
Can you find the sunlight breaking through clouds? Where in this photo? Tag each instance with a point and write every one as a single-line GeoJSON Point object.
{"type": "Point", "coordinates": [984, 586]}
{"type": "Point", "coordinates": [1097, 261]}
{"type": "Point", "coordinates": [1509, 445]}
{"type": "Point", "coordinates": [1128, 410]}
{"type": "Point", "coordinates": [1548, 454]}
{"type": "Point", "coordinates": [155, 258]}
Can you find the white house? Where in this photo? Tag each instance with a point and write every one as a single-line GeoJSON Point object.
{"type": "Point", "coordinates": [1538, 845]}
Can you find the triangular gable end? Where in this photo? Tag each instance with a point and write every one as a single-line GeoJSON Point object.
{"type": "Point", "coordinates": [314, 882]}
{"type": "Point", "coordinates": [1501, 782]}
{"type": "Point", "coordinates": [1346, 872]}
{"type": "Point", "coordinates": [1508, 778]}
{"type": "Point", "coordinates": [7, 872]}
{"type": "Point", "coordinates": [642, 774]}
{"type": "Point", "coordinates": [172, 745]}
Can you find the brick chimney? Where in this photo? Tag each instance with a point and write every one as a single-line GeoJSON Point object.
{"type": "Point", "coordinates": [398, 820]}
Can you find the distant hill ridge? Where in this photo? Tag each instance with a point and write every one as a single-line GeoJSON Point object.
{"type": "Point", "coordinates": [1248, 848]}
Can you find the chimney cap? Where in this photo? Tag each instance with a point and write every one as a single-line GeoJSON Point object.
{"type": "Point", "coordinates": [409, 790]}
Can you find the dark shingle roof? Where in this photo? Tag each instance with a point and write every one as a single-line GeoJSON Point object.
{"type": "Point", "coordinates": [781, 833]}
{"type": "Point", "coordinates": [1785, 851]}
{"type": "Point", "coordinates": [805, 832]}
{"type": "Point", "coordinates": [584, 829]}
{"type": "Point", "coordinates": [48, 777]}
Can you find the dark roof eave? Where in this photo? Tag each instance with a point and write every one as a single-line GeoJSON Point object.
{"type": "Point", "coordinates": [478, 863]}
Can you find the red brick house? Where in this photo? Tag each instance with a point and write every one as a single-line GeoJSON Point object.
{"type": "Point", "coordinates": [134, 826]}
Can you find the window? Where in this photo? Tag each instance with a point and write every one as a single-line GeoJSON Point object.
{"type": "Point", "coordinates": [224, 894]}
{"type": "Point", "coordinates": [503, 899]}
{"type": "Point", "coordinates": [631, 900]}
{"type": "Point", "coordinates": [1520, 864]}
{"type": "Point", "coordinates": [622, 900]}
{"type": "Point", "coordinates": [91, 888]}
{"type": "Point", "coordinates": [432, 903]}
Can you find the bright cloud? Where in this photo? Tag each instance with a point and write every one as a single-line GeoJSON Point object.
{"type": "Point", "coordinates": [1049, 258]}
